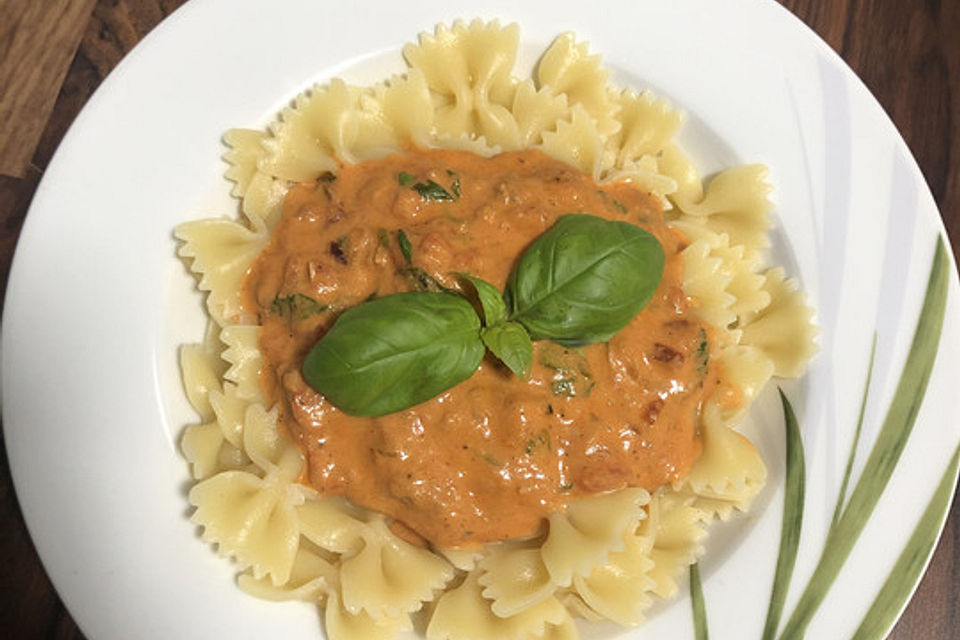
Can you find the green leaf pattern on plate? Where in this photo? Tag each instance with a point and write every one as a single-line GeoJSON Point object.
{"type": "Point", "coordinates": [793, 500]}
{"type": "Point", "coordinates": [700, 629]}
{"type": "Point", "coordinates": [906, 572]}
{"type": "Point", "coordinates": [850, 519]}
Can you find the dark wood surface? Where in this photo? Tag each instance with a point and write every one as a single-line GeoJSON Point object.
{"type": "Point", "coordinates": [906, 51]}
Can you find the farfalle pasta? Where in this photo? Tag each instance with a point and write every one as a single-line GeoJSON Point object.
{"type": "Point", "coordinates": [621, 588]}
{"type": "Point", "coordinates": [221, 251]}
{"type": "Point", "coordinates": [606, 551]}
{"type": "Point", "coordinates": [584, 536]}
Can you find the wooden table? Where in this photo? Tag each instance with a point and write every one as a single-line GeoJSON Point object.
{"type": "Point", "coordinates": [54, 54]}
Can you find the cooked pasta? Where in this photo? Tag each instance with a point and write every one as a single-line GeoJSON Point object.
{"type": "Point", "coordinates": [607, 556]}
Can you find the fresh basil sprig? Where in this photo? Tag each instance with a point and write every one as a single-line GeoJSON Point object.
{"type": "Point", "coordinates": [395, 352]}
{"type": "Point", "coordinates": [584, 279]}
{"type": "Point", "coordinates": [508, 341]}
{"type": "Point", "coordinates": [579, 283]}
{"type": "Point", "coordinates": [491, 302]}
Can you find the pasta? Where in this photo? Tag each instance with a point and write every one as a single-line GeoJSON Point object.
{"type": "Point", "coordinates": [603, 557]}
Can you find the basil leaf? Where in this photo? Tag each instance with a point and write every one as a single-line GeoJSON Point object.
{"type": "Point", "coordinates": [395, 352]}
{"type": "Point", "coordinates": [491, 302]}
{"type": "Point", "coordinates": [511, 343]}
{"type": "Point", "coordinates": [584, 279]}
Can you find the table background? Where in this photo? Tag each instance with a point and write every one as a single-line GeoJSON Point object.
{"type": "Point", "coordinates": [54, 54]}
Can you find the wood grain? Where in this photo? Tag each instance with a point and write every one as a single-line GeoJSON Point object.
{"type": "Point", "coordinates": [907, 53]}
{"type": "Point", "coordinates": [30, 74]}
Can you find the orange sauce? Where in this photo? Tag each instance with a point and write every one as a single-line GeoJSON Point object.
{"type": "Point", "coordinates": [490, 458]}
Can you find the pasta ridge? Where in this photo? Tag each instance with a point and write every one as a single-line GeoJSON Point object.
{"type": "Point", "coordinates": [784, 329]}
{"type": "Point", "coordinates": [220, 251]}
{"type": "Point", "coordinates": [589, 531]}
{"type": "Point", "coordinates": [568, 67]}
{"type": "Point", "coordinates": [242, 156]}
{"type": "Point", "coordinates": [515, 577]}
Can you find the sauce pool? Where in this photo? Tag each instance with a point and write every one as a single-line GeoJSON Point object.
{"type": "Point", "coordinates": [490, 458]}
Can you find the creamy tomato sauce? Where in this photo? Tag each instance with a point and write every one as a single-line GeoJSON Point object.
{"type": "Point", "coordinates": [490, 458]}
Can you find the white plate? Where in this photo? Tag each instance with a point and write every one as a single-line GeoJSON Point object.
{"type": "Point", "coordinates": [97, 302]}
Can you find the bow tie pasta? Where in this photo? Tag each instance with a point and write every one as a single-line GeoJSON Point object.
{"type": "Point", "coordinates": [505, 506]}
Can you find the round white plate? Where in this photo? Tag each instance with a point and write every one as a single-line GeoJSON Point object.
{"type": "Point", "coordinates": [98, 303]}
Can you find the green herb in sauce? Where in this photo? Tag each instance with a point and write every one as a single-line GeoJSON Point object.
{"type": "Point", "coordinates": [542, 439]}
{"type": "Point", "coordinates": [423, 281]}
{"type": "Point", "coordinates": [489, 459]}
{"type": "Point", "coordinates": [405, 247]}
{"type": "Point", "coordinates": [572, 377]}
{"type": "Point", "coordinates": [297, 306]}
{"type": "Point", "coordinates": [703, 354]}
{"type": "Point", "coordinates": [432, 190]}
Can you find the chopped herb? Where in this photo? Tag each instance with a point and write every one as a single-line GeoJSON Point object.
{"type": "Point", "coordinates": [327, 176]}
{"type": "Point", "coordinates": [431, 190]}
{"type": "Point", "coordinates": [336, 249]}
{"type": "Point", "coordinates": [386, 454]}
{"type": "Point", "coordinates": [489, 459]}
{"type": "Point", "coordinates": [566, 486]}
{"type": "Point", "coordinates": [384, 238]}
{"type": "Point", "coordinates": [542, 438]}
{"type": "Point", "coordinates": [405, 247]}
{"type": "Point", "coordinates": [455, 187]}
{"type": "Point", "coordinates": [404, 178]}
{"type": "Point", "coordinates": [422, 280]}
{"type": "Point", "coordinates": [619, 206]}
{"type": "Point", "coordinates": [703, 354]}
{"type": "Point", "coordinates": [572, 377]}
{"type": "Point", "coordinates": [297, 306]}
{"type": "Point", "coordinates": [563, 387]}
